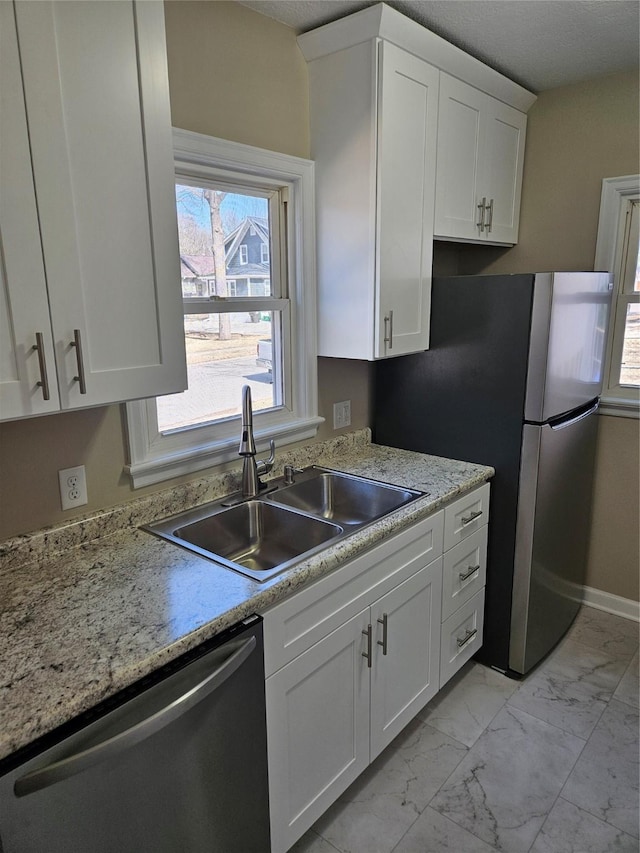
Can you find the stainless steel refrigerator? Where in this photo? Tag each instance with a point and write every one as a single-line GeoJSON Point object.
{"type": "Point", "coordinates": [512, 380]}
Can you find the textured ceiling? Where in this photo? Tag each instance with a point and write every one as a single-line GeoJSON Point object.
{"type": "Point", "coordinates": [540, 44]}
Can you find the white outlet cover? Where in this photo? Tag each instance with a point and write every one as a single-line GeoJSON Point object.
{"type": "Point", "coordinates": [342, 414]}
{"type": "Point", "coordinates": [73, 487]}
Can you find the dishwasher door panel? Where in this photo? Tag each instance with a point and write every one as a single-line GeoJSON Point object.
{"type": "Point", "coordinates": [180, 767]}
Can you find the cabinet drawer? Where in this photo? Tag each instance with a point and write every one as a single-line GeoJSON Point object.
{"type": "Point", "coordinates": [465, 516]}
{"type": "Point", "coordinates": [461, 636]}
{"type": "Point", "coordinates": [464, 571]}
{"type": "Point", "coordinates": [301, 620]}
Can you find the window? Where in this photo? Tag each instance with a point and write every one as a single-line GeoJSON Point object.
{"type": "Point", "coordinates": [223, 191]}
{"type": "Point", "coordinates": [618, 251]}
{"type": "Point", "coordinates": [264, 253]}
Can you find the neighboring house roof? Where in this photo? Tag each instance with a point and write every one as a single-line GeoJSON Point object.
{"type": "Point", "coordinates": [197, 266]}
{"type": "Point", "coordinates": [234, 239]}
{"type": "Point", "coordinates": [202, 266]}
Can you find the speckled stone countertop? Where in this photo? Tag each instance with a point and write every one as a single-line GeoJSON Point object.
{"type": "Point", "coordinates": [90, 607]}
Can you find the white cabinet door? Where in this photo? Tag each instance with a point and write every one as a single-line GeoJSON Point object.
{"type": "Point", "coordinates": [407, 135]}
{"type": "Point", "coordinates": [502, 160]}
{"type": "Point", "coordinates": [373, 131]}
{"type": "Point", "coordinates": [457, 178]}
{"type": "Point", "coordinates": [24, 309]}
{"type": "Point", "coordinates": [97, 106]}
{"type": "Point", "coordinates": [480, 160]}
{"type": "Point", "coordinates": [405, 673]}
{"type": "Point", "coordinates": [318, 729]}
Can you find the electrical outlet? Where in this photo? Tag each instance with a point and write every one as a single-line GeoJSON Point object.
{"type": "Point", "coordinates": [73, 487]}
{"type": "Point", "coordinates": [342, 414]}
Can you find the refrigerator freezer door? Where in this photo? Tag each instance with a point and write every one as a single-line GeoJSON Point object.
{"type": "Point", "coordinates": [568, 336]}
{"type": "Point", "coordinates": [554, 509]}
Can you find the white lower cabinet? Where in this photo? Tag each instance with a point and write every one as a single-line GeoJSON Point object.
{"type": "Point", "coordinates": [461, 636]}
{"type": "Point", "coordinates": [352, 658]}
{"type": "Point", "coordinates": [464, 577]}
{"type": "Point", "coordinates": [318, 729]}
{"type": "Point", "coordinates": [334, 708]}
{"type": "Point", "coordinates": [405, 644]}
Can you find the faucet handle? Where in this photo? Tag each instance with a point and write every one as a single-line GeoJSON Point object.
{"type": "Point", "coordinates": [265, 465]}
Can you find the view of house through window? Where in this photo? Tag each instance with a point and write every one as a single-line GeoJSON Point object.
{"type": "Point", "coordinates": [232, 336]}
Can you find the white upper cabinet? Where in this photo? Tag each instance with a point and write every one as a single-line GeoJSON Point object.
{"type": "Point", "coordinates": [94, 93]}
{"type": "Point", "coordinates": [480, 159]}
{"type": "Point", "coordinates": [27, 376]}
{"type": "Point", "coordinates": [381, 145]}
{"type": "Point", "coordinates": [373, 131]}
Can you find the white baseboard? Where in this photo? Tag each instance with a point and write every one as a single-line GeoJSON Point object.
{"type": "Point", "coordinates": [611, 603]}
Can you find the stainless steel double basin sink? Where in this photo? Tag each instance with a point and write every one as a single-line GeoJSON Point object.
{"type": "Point", "coordinates": [262, 536]}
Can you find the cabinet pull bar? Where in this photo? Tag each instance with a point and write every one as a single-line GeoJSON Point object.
{"type": "Point", "coordinates": [44, 379]}
{"type": "Point", "coordinates": [383, 642]}
{"type": "Point", "coordinates": [468, 635]}
{"type": "Point", "coordinates": [482, 208]}
{"type": "Point", "coordinates": [469, 518]}
{"type": "Point", "coordinates": [388, 330]}
{"type": "Point", "coordinates": [367, 654]}
{"type": "Point", "coordinates": [472, 570]}
{"type": "Point", "coordinates": [77, 343]}
{"type": "Point", "coordinates": [489, 221]}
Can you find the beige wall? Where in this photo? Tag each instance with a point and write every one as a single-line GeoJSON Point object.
{"type": "Point", "coordinates": [235, 74]}
{"type": "Point", "coordinates": [615, 531]}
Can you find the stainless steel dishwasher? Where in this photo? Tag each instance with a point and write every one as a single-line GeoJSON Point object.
{"type": "Point", "coordinates": [175, 764]}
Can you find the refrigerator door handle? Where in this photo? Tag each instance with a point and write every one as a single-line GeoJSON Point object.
{"type": "Point", "coordinates": [561, 424]}
{"type": "Point", "coordinates": [73, 764]}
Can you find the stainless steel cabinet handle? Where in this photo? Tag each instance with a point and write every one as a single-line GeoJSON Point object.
{"type": "Point", "coordinates": [73, 764]}
{"type": "Point", "coordinates": [369, 635]}
{"type": "Point", "coordinates": [383, 642]}
{"type": "Point", "coordinates": [44, 379]}
{"type": "Point", "coordinates": [469, 518]}
{"type": "Point", "coordinates": [468, 636]}
{"type": "Point", "coordinates": [489, 221]}
{"type": "Point", "coordinates": [482, 208]}
{"type": "Point", "coordinates": [472, 570]}
{"type": "Point", "coordinates": [77, 343]}
{"type": "Point", "coordinates": [388, 330]}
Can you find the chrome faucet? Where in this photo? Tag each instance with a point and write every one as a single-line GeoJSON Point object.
{"type": "Point", "coordinates": [251, 470]}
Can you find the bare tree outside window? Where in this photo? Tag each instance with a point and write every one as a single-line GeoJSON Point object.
{"type": "Point", "coordinates": [224, 237]}
{"type": "Point", "coordinates": [214, 199]}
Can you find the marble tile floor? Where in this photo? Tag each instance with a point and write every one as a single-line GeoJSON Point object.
{"type": "Point", "coordinates": [548, 764]}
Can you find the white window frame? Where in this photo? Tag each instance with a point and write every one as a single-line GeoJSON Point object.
{"type": "Point", "coordinates": [155, 457]}
{"type": "Point", "coordinates": [264, 253]}
{"type": "Point", "coordinates": [616, 399]}
{"type": "Point", "coordinates": [243, 254]}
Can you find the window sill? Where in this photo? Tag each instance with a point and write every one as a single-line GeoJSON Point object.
{"type": "Point", "coordinates": [168, 465]}
{"type": "Point", "coordinates": [620, 407]}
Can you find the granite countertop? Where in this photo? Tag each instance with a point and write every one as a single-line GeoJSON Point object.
{"type": "Point", "coordinates": [90, 607]}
